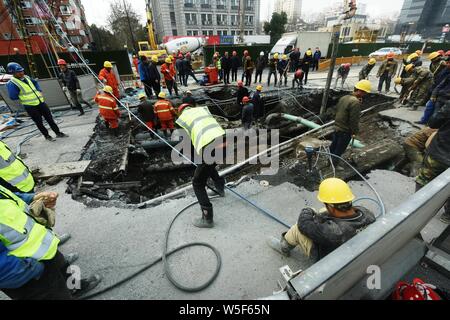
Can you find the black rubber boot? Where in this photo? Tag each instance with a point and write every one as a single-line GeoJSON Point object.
{"type": "Point", "coordinates": [281, 245]}
{"type": "Point", "coordinates": [86, 285]}
{"type": "Point", "coordinates": [206, 221]}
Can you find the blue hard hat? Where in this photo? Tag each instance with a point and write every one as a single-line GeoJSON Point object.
{"type": "Point", "coordinates": [14, 67]}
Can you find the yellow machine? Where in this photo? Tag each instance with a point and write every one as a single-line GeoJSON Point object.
{"type": "Point", "coordinates": [150, 48]}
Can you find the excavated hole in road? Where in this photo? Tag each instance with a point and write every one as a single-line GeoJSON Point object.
{"type": "Point", "coordinates": [132, 168]}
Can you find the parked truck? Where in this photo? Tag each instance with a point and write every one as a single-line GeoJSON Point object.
{"type": "Point", "coordinates": [303, 40]}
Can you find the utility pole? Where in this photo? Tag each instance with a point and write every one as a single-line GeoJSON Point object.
{"type": "Point", "coordinates": [335, 45]}
{"type": "Point", "coordinates": [242, 22]}
{"type": "Point", "coordinates": [129, 26]}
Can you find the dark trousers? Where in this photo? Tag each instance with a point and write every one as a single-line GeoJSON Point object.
{"type": "Point", "coordinates": [148, 88]}
{"type": "Point", "coordinates": [384, 78]}
{"type": "Point", "coordinates": [270, 76]}
{"type": "Point", "coordinates": [248, 78]}
{"type": "Point", "coordinates": [181, 77]}
{"type": "Point", "coordinates": [42, 111]}
{"type": "Point", "coordinates": [50, 286]}
{"type": "Point", "coordinates": [226, 76]}
{"type": "Point", "coordinates": [172, 85]}
{"type": "Point", "coordinates": [341, 140]}
{"type": "Point", "coordinates": [75, 101]}
{"type": "Point", "coordinates": [298, 82]}
{"type": "Point", "coordinates": [283, 75]}
{"type": "Point", "coordinates": [156, 86]}
{"type": "Point", "coordinates": [315, 65]}
{"type": "Point", "coordinates": [201, 175]}
{"type": "Point", "coordinates": [305, 69]}
{"type": "Point", "coordinates": [234, 75]}
{"type": "Point", "coordinates": [192, 74]}
{"type": "Point", "coordinates": [258, 73]}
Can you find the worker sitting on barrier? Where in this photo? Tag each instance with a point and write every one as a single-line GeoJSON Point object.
{"type": "Point", "coordinates": [108, 109]}
{"type": "Point", "coordinates": [319, 233]}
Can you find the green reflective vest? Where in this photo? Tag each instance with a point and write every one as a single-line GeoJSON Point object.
{"type": "Point", "coordinates": [20, 233]}
{"type": "Point", "coordinates": [14, 171]}
{"type": "Point", "coordinates": [29, 95]}
{"type": "Point", "coordinates": [201, 127]}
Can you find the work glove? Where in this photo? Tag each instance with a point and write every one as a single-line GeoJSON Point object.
{"type": "Point", "coordinates": [49, 199]}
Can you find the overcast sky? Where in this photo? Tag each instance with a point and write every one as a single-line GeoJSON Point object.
{"type": "Point", "coordinates": [97, 10]}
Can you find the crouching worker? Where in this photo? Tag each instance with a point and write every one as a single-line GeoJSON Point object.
{"type": "Point", "coordinates": [205, 133]}
{"type": "Point", "coordinates": [146, 112]}
{"type": "Point", "coordinates": [108, 109]}
{"type": "Point", "coordinates": [31, 266]}
{"type": "Point", "coordinates": [166, 114]}
{"type": "Point", "coordinates": [298, 79]}
{"type": "Point", "coordinates": [318, 234]}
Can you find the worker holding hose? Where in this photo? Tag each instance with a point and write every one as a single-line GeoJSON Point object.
{"type": "Point", "coordinates": [206, 137]}
{"type": "Point", "coordinates": [319, 233]}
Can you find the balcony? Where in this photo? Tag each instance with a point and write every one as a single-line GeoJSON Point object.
{"type": "Point", "coordinates": [221, 7]}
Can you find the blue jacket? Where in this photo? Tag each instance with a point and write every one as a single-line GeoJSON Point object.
{"type": "Point", "coordinates": [16, 272]}
{"type": "Point", "coordinates": [13, 90]}
{"type": "Point", "coordinates": [144, 71]}
{"type": "Point", "coordinates": [442, 89]}
{"type": "Point", "coordinates": [317, 55]}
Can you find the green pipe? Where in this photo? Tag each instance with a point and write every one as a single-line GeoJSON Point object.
{"type": "Point", "coordinates": [313, 125]}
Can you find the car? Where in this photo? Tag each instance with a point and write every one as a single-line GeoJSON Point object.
{"type": "Point", "coordinates": [381, 54]}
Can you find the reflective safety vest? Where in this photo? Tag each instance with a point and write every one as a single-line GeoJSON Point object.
{"type": "Point", "coordinates": [20, 233]}
{"type": "Point", "coordinates": [107, 106]}
{"type": "Point", "coordinates": [164, 110]}
{"type": "Point", "coordinates": [201, 127]}
{"type": "Point", "coordinates": [14, 171]}
{"type": "Point", "coordinates": [29, 95]}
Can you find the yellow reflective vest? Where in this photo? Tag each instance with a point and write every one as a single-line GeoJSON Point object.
{"type": "Point", "coordinates": [20, 233]}
{"type": "Point", "coordinates": [201, 127]}
{"type": "Point", "coordinates": [14, 171]}
{"type": "Point", "coordinates": [29, 95]}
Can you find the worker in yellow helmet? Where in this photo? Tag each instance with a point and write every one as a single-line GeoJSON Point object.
{"type": "Point", "coordinates": [437, 63]}
{"type": "Point", "coordinates": [273, 67]}
{"type": "Point", "coordinates": [419, 82]}
{"type": "Point", "coordinates": [348, 113]}
{"type": "Point", "coordinates": [108, 78]}
{"type": "Point", "coordinates": [387, 70]}
{"type": "Point", "coordinates": [319, 233]}
{"type": "Point", "coordinates": [258, 104]}
{"type": "Point", "coordinates": [365, 71]}
{"type": "Point", "coordinates": [283, 67]}
{"type": "Point", "coordinates": [307, 63]}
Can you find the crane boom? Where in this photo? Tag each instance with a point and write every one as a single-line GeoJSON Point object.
{"type": "Point", "coordinates": [151, 32]}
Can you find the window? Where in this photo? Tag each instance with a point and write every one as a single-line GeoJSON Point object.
{"type": "Point", "coordinates": [221, 19]}
{"type": "Point", "coordinates": [210, 33]}
{"type": "Point", "coordinates": [205, 4]}
{"type": "Point", "coordinates": [65, 10]}
{"type": "Point", "coordinates": [234, 20]}
{"type": "Point", "coordinates": [7, 36]}
{"type": "Point", "coordinates": [234, 4]}
{"type": "Point", "coordinates": [172, 18]}
{"type": "Point", "coordinates": [225, 32]}
{"type": "Point", "coordinates": [248, 20]}
{"type": "Point", "coordinates": [220, 4]}
{"type": "Point", "coordinates": [204, 32]}
{"type": "Point", "coordinates": [195, 33]}
{"type": "Point", "coordinates": [189, 33]}
{"type": "Point", "coordinates": [26, 4]}
{"type": "Point", "coordinates": [191, 19]}
{"type": "Point", "coordinates": [174, 32]}
{"type": "Point", "coordinates": [233, 33]}
{"type": "Point", "coordinates": [70, 25]}
{"type": "Point", "coordinates": [189, 3]}
{"type": "Point", "coordinates": [206, 19]}
{"type": "Point", "coordinates": [219, 32]}
{"type": "Point", "coordinates": [76, 39]}
{"type": "Point", "coordinates": [30, 21]}
{"type": "Point", "coordinates": [249, 5]}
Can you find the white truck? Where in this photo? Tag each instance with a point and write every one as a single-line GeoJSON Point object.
{"type": "Point", "coordinates": [303, 40]}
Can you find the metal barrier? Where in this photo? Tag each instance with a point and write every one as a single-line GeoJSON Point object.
{"type": "Point", "coordinates": [336, 275]}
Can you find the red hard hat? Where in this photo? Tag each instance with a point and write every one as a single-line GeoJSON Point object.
{"type": "Point", "coordinates": [298, 73]}
{"type": "Point", "coordinates": [240, 83]}
{"type": "Point", "coordinates": [180, 56]}
{"type": "Point", "coordinates": [62, 62]}
{"type": "Point", "coordinates": [447, 53]}
{"type": "Point", "coordinates": [188, 54]}
{"type": "Point", "coordinates": [245, 100]}
{"type": "Point", "coordinates": [182, 107]}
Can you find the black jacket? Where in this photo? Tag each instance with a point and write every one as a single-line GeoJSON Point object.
{"type": "Point", "coordinates": [146, 111]}
{"type": "Point", "coordinates": [328, 233]}
{"type": "Point", "coordinates": [189, 100]}
{"type": "Point", "coordinates": [440, 146]}
{"type": "Point", "coordinates": [69, 79]}
{"type": "Point", "coordinates": [241, 93]}
{"type": "Point", "coordinates": [180, 66]}
{"type": "Point", "coordinates": [235, 62]}
{"type": "Point", "coordinates": [154, 73]}
{"type": "Point", "coordinates": [247, 113]}
{"type": "Point", "coordinates": [261, 63]}
{"type": "Point", "coordinates": [258, 103]}
{"type": "Point", "coordinates": [226, 63]}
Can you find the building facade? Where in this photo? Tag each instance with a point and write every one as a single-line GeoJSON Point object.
{"type": "Point", "coordinates": [425, 17]}
{"type": "Point", "coordinates": [204, 17]}
{"type": "Point", "coordinates": [69, 13]}
{"type": "Point", "coordinates": [293, 9]}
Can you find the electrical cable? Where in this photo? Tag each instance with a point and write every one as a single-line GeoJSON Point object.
{"type": "Point", "coordinates": [373, 200]}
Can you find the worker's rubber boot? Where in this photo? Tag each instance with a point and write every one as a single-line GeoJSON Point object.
{"type": "Point", "coordinates": [206, 221]}
{"type": "Point", "coordinates": [64, 238]}
{"type": "Point", "coordinates": [61, 135]}
{"type": "Point", "coordinates": [86, 285]}
{"type": "Point", "coordinates": [281, 245]}
{"type": "Point", "coordinates": [81, 113]}
{"type": "Point", "coordinates": [50, 138]}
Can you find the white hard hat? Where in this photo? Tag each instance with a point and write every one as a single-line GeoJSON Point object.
{"type": "Point", "coordinates": [261, 53]}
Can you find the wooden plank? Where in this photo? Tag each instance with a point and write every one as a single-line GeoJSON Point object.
{"type": "Point", "coordinates": [68, 169]}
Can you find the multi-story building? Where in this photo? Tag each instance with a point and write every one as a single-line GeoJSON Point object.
{"type": "Point", "coordinates": [69, 13]}
{"type": "Point", "coordinates": [425, 17]}
{"type": "Point", "coordinates": [293, 9]}
{"type": "Point", "coordinates": [204, 17]}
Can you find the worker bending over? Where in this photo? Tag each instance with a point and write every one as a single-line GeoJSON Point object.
{"type": "Point", "coordinates": [108, 109]}
{"type": "Point", "coordinates": [419, 83]}
{"type": "Point", "coordinates": [283, 68]}
{"type": "Point", "coordinates": [166, 114]}
{"type": "Point", "coordinates": [348, 113]}
{"type": "Point", "coordinates": [415, 148]}
{"type": "Point", "coordinates": [205, 133]}
{"type": "Point", "coordinates": [317, 234]}
{"type": "Point", "coordinates": [387, 70]}
{"type": "Point", "coordinates": [365, 71]}
{"type": "Point", "coordinates": [342, 73]}
{"type": "Point", "coordinates": [189, 99]}
{"type": "Point", "coordinates": [169, 73]}
{"type": "Point", "coordinates": [298, 79]}
{"type": "Point", "coordinates": [27, 90]}
{"type": "Point", "coordinates": [108, 78]}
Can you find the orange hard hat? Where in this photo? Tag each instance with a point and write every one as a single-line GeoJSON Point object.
{"type": "Point", "coordinates": [390, 55]}
{"type": "Point", "coordinates": [62, 62]}
{"type": "Point", "coordinates": [245, 100]}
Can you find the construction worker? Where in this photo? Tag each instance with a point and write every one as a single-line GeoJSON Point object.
{"type": "Point", "coordinates": [71, 83]}
{"type": "Point", "coordinates": [165, 113]}
{"type": "Point", "coordinates": [249, 66]}
{"type": "Point", "coordinates": [295, 56]}
{"type": "Point", "coordinates": [154, 75]}
{"type": "Point", "coordinates": [136, 64]}
{"type": "Point", "coordinates": [27, 90]}
{"type": "Point", "coordinates": [235, 64]}
{"type": "Point", "coordinates": [437, 63]}
{"type": "Point", "coordinates": [437, 158]}
{"type": "Point", "coordinates": [204, 132]}
{"type": "Point", "coordinates": [273, 67]}
{"type": "Point", "coordinates": [169, 73]}
{"type": "Point", "coordinates": [147, 113]}
{"type": "Point", "coordinates": [32, 267]}
{"type": "Point", "coordinates": [226, 67]}
{"type": "Point", "coordinates": [387, 70]}
{"type": "Point", "coordinates": [283, 67]}
{"type": "Point", "coordinates": [342, 73]}
{"type": "Point", "coordinates": [188, 67]}
{"type": "Point", "coordinates": [247, 113]}
{"type": "Point", "coordinates": [258, 104]}
{"type": "Point", "coordinates": [316, 59]}
{"type": "Point", "coordinates": [241, 92]}
{"type": "Point", "coordinates": [144, 71]}
{"type": "Point", "coordinates": [419, 82]}
{"type": "Point", "coordinates": [14, 174]}
{"type": "Point", "coordinates": [189, 99]}
{"type": "Point", "coordinates": [365, 71]}
{"type": "Point", "coordinates": [108, 78]}
{"type": "Point", "coordinates": [318, 233]}
{"type": "Point", "coordinates": [244, 58]}
{"type": "Point", "coordinates": [415, 147]}
{"type": "Point", "coordinates": [307, 63]}
{"type": "Point", "coordinates": [108, 109]}
{"type": "Point", "coordinates": [181, 71]}
{"type": "Point", "coordinates": [218, 65]}
{"type": "Point", "coordinates": [298, 79]}
{"type": "Point", "coordinates": [260, 65]}
{"type": "Point", "coordinates": [348, 113]}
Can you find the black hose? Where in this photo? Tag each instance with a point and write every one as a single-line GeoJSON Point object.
{"type": "Point", "coordinates": [167, 270]}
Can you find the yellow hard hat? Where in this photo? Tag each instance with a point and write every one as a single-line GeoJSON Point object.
{"type": "Point", "coordinates": [372, 61]}
{"type": "Point", "coordinates": [335, 191]}
{"type": "Point", "coordinates": [284, 57]}
{"type": "Point", "coordinates": [108, 89]}
{"type": "Point", "coordinates": [398, 80]}
{"type": "Point", "coordinates": [107, 64]}
{"type": "Point", "coordinates": [276, 56]}
{"type": "Point", "coordinates": [259, 88]}
{"type": "Point", "coordinates": [142, 96]}
{"type": "Point", "coordinates": [412, 56]}
{"type": "Point", "coordinates": [168, 60]}
{"type": "Point", "coordinates": [434, 55]}
{"type": "Point", "coordinates": [419, 52]}
{"type": "Point", "coordinates": [409, 67]}
{"type": "Point", "coordinates": [162, 95]}
{"type": "Point", "coordinates": [155, 58]}
{"type": "Point", "coordinates": [364, 85]}
{"type": "Point", "coordinates": [309, 53]}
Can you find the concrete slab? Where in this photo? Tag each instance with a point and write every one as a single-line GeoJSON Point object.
{"type": "Point", "coordinates": [404, 114]}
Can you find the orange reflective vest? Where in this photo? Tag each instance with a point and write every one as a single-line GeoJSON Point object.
{"type": "Point", "coordinates": [168, 71]}
{"type": "Point", "coordinates": [111, 80]}
{"type": "Point", "coordinates": [164, 110]}
{"type": "Point", "coordinates": [107, 106]}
